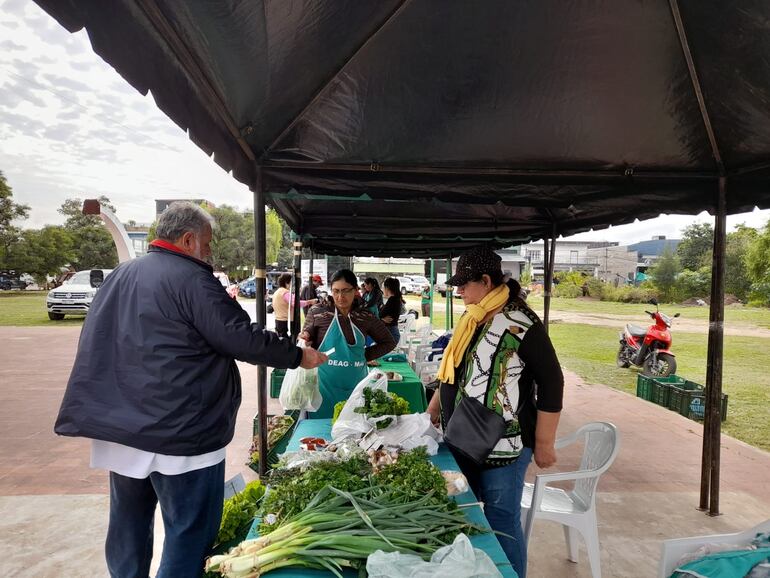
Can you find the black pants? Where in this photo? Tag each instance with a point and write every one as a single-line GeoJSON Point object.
{"type": "Point", "coordinates": [282, 328]}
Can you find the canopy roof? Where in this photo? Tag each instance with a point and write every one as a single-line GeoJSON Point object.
{"type": "Point", "coordinates": [408, 127]}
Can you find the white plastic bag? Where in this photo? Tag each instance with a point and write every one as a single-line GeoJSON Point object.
{"type": "Point", "coordinates": [352, 424]}
{"type": "Point", "coordinates": [459, 560]}
{"type": "Point", "coordinates": [299, 388]}
{"type": "Point", "coordinates": [411, 431]}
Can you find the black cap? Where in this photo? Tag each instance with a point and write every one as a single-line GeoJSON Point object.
{"type": "Point", "coordinates": [475, 263]}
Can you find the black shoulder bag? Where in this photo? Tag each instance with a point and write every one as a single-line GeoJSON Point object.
{"type": "Point", "coordinates": [474, 429]}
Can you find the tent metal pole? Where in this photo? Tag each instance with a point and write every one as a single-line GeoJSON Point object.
{"type": "Point", "coordinates": [432, 289]}
{"type": "Point", "coordinates": [295, 309]}
{"type": "Point", "coordinates": [260, 282]}
{"type": "Point", "coordinates": [548, 281]}
{"type": "Point", "coordinates": [712, 422]}
{"type": "Point", "coordinates": [448, 296]}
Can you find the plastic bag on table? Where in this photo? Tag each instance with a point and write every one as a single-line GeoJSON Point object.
{"type": "Point", "coordinates": [352, 424]}
{"type": "Point", "coordinates": [411, 431]}
{"type": "Point", "coordinates": [299, 388]}
{"type": "Point", "coordinates": [458, 560]}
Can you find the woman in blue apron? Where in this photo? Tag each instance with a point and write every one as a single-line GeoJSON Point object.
{"type": "Point", "coordinates": [342, 325]}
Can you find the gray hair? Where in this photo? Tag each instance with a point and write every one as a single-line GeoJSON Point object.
{"type": "Point", "coordinates": [181, 217]}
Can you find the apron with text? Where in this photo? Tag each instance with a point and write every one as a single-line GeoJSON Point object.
{"type": "Point", "coordinates": [345, 368]}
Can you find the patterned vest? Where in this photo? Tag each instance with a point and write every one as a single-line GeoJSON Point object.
{"type": "Point", "coordinates": [492, 371]}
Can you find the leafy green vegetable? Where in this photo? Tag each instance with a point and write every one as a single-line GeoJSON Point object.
{"type": "Point", "coordinates": [238, 512]}
{"type": "Point", "coordinates": [338, 409]}
{"type": "Point", "coordinates": [292, 495]}
{"type": "Point", "coordinates": [277, 427]}
{"type": "Point", "coordinates": [413, 476]}
{"type": "Point", "coordinates": [379, 403]}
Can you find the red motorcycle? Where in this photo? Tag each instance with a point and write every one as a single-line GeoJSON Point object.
{"type": "Point", "coordinates": [648, 348]}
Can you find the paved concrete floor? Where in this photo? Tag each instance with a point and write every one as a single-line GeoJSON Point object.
{"type": "Point", "coordinates": [53, 508]}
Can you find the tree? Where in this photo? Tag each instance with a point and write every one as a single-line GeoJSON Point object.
{"type": "Point", "coordinates": [737, 280]}
{"type": "Point", "coordinates": [275, 228]}
{"type": "Point", "coordinates": [757, 261]}
{"type": "Point", "coordinates": [93, 246]}
{"type": "Point", "coordinates": [695, 249]}
{"type": "Point", "coordinates": [664, 273]}
{"type": "Point", "coordinates": [9, 235]}
{"type": "Point", "coordinates": [45, 251]}
{"type": "Point", "coordinates": [232, 241]}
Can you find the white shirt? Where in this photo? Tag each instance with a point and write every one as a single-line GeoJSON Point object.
{"type": "Point", "coordinates": [134, 463]}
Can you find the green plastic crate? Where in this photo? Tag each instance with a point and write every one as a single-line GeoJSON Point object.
{"type": "Point", "coordinates": [679, 400]}
{"type": "Point", "coordinates": [276, 379]}
{"type": "Point", "coordinates": [692, 404]}
{"type": "Point", "coordinates": [656, 389]}
{"type": "Point", "coordinates": [281, 444]}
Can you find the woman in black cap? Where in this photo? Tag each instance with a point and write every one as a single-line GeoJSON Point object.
{"type": "Point", "coordinates": [500, 395]}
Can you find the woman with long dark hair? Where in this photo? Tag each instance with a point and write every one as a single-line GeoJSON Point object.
{"type": "Point", "coordinates": [342, 324]}
{"type": "Point", "coordinates": [391, 310]}
{"type": "Point", "coordinates": [372, 295]}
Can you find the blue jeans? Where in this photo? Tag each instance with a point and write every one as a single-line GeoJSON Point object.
{"type": "Point", "coordinates": [500, 490]}
{"type": "Point", "coordinates": [395, 332]}
{"type": "Point", "coordinates": [191, 505]}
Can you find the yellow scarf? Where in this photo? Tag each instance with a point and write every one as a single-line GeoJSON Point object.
{"type": "Point", "coordinates": [455, 351]}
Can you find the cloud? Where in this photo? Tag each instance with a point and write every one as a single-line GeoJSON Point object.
{"type": "Point", "coordinates": [14, 94]}
{"type": "Point", "coordinates": [10, 46]}
{"type": "Point", "coordinates": [20, 123]}
{"type": "Point", "coordinates": [58, 81]}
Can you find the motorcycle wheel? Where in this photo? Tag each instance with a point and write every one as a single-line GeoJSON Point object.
{"type": "Point", "coordinates": [665, 366]}
{"type": "Point", "coordinates": [620, 360]}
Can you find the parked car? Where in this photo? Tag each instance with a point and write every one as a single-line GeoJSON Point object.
{"type": "Point", "coordinates": [75, 295]}
{"type": "Point", "coordinates": [412, 283]}
{"type": "Point", "coordinates": [231, 288]}
{"type": "Point", "coordinates": [248, 288]}
{"type": "Point", "coordinates": [9, 281]}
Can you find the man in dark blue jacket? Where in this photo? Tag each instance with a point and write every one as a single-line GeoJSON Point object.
{"type": "Point", "coordinates": [156, 388]}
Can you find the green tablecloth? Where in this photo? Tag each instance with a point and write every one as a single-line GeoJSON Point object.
{"type": "Point", "coordinates": [444, 461]}
{"type": "Point", "coordinates": [411, 389]}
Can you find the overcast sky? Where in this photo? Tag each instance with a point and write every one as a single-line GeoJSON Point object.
{"type": "Point", "coordinates": [70, 126]}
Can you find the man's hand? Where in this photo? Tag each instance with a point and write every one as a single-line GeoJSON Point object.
{"type": "Point", "coordinates": [387, 319]}
{"type": "Point", "coordinates": [312, 358]}
{"type": "Point", "coordinates": [545, 455]}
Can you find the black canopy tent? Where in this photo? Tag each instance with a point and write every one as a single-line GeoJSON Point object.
{"type": "Point", "coordinates": [423, 127]}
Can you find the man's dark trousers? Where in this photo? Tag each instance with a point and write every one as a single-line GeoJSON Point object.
{"type": "Point", "coordinates": [191, 505]}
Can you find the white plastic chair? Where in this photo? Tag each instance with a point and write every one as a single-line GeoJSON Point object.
{"type": "Point", "coordinates": [405, 323]}
{"type": "Point", "coordinates": [574, 509]}
{"type": "Point", "coordinates": [671, 551]}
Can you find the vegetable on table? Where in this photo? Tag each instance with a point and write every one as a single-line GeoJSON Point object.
{"type": "Point", "coordinates": [379, 403]}
{"type": "Point", "coordinates": [238, 513]}
{"type": "Point", "coordinates": [277, 426]}
{"type": "Point", "coordinates": [339, 529]}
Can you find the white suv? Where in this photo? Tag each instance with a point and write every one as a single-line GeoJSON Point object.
{"type": "Point", "coordinates": [74, 296]}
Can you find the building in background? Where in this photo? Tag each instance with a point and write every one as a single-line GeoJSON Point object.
{"type": "Point", "coordinates": [616, 265]}
{"type": "Point", "coordinates": [650, 251]}
{"type": "Point", "coordinates": [138, 232]}
{"type": "Point", "coordinates": [569, 256]}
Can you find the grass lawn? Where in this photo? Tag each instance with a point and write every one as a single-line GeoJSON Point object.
{"type": "Point", "coordinates": [590, 352]}
{"type": "Point", "coordinates": [756, 315]}
{"type": "Point", "coordinates": [27, 308]}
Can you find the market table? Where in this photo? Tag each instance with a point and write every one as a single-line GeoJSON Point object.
{"type": "Point", "coordinates": [444, 461]}
{"type": "Point", "coordinates": [411, 389]}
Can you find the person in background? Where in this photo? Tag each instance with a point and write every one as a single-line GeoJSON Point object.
{"type": "Point", "coordinates": [282, 301]}
{"type": "Point", "coordinates": [425, 300]}
{"type": "Point", "coordinates": [310, 291]}
{"type": "Point", "coordinates": [372, 295]}
{"type": "Point", "coordinates": [500, 354]}
{"type": "Point", "coordinates": [392, 308]}
{"type": "Point", "coordinates": [156, 388]}
{"type": "Point", "coordinates": [343, 324]}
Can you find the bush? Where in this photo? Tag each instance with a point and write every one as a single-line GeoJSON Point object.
{"type": "Point", "coordinates": [627, 294]}
{"type": "Point", "coordinates": [567, 290]}
{"type": "Point", "coordinates": [693, 283]}
{"type": "Point", "coordinates": [595, 287]}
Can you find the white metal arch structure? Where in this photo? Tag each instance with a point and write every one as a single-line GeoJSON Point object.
{"type": "Point", "coordinates": [114, 226]}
